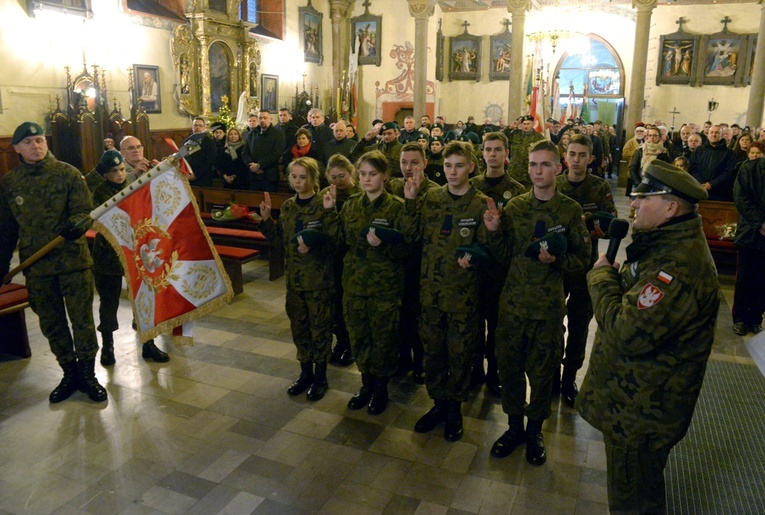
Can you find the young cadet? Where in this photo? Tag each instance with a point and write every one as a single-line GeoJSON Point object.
{"type": "Point", "coordinates": [302, 228]}
{"type": "Point", "coordinates": [378, 233]}
{"type": "Point", "coordinates": [541, 235]}
{"type": "Point", "coordinates": [413, 165]}
{"type": "Point", "coordinates": [340, 173]}
{"type": "Point", "coordinates": [451, 227]}
{"type": "Point", "coordinates": [593, 194]}
{"type": "Point", "coordinates": [497, 184]}
{"type": "Point", "coordinates": [435, 168]}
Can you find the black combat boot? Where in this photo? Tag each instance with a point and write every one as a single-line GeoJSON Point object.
{"type": "Point", "coordinates": [568, 388]}
{"type": "Point", "coordinates": [361, 398]}
{"type": "Point", "coordinates": [88, 380]}
{"type": "Point", "coordinates": [379, 400]}
{"type": "Point", "coordinates": [453, 421]}
{"type": "Point", "coordinates": [107, 349]}
{"type": "Point", "coordinates": [511, 439]}
{"type": "Point", "coordinates": [68, 385]}
{"type": "Point", "coordinates": [151, 351]}
{"type": "Point", "coordinates": [432, 418]}
{"type": "Point", "coordinates": [305, 380]}
{"type": "Point", "coordinates": [319, 385]}
{"type": "Point", "coordinates": [535, 444]}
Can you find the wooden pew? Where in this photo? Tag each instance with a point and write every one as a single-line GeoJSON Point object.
{"type": "Point", "coordinates": [13, 325]}
{"type": "Point", "coordinates": [713, 214]}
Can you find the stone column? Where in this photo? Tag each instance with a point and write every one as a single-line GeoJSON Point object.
{"type": "Point", "coordinates": [639, 60]}
{"type": "Point", "coordinates": [421, 11]}
{"type": "Point", "coordinates": [757, 88]}
{"type": "Point", "coordinates": [338, 13]}
{"type": "Point", "coordinates": [517, 9]}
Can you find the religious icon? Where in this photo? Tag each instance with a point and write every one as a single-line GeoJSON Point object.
{"type": "Point", "coordinates": [146, 87]}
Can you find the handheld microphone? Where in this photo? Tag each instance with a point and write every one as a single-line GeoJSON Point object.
{"type": "Point", "coordinates": [617, 230]}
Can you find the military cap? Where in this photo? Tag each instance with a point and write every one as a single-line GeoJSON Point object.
{"type": "Point", "coordinates": [25, 130]}
{"type": "Point", "coordinates": [440, 126]}
{"type": "Point", "coordinates": [218, 126]}
{"type": "Point", "coordinates": [311, 237]}
{"type": "Point", "coordinates": [554, 242]}
{"type": "Point", "coordinates": [487, 129]}
{"type": "Point", "coordinates": [526, 118]}
{"type": "Point", "coordinates": [639, 124]}
{"type": "Point", "coordinates": [109, 135]}
{"type": "Point", "coordinates": [472, 137]}
{"type": "Point", "coordinates": [475, 253]}
{"type": "Point", "coordinates": [662, 178]}
{"type": "Point", "coordinates": [389, 125]}
{"type": "Point", "coordinates": [551, 120]}
{"type": "Point", "coordinates": [600, 219]}
{"type": "Point", "coordinates": [109, 160]}
{"type": "Point", "coordinates": [451, 136]}
{"type": "Point", "coordinates": [424, 136]}
{"type": "Point", "coordinates": [437, 138]}
{"type": "Point", "coordinates": [386, 234]}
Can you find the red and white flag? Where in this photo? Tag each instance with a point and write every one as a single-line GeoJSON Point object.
{"type": "Point", "coordinates": [174, 275]}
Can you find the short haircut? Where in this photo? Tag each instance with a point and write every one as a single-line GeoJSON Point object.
{"type": "Point", "coordinates": [310, 165]}
{"type": "Point", "coordinates": [375, 158]}
{"type": "Point", "coordinates": [758, 144]}
{"type": "Point", "coordinates": [459, 148]}
{"type": "Point", "coordinates": [497, 136]}
{"type": "Point", "coordinates": [200, 119]}
{"type": "Point", "coordinates": [546, 145]}
{"type": "Point", "coordinates": [304, 132]}
{"type": "Point", "coordinates": [283, 109]}
{"type": "Point", "coordinates": [340, 161]}
{"type": "Point", "coordinates": [413, 146]}
{"type": "Point", "coordinates": [252, 115]}
{"type": "Point", "coordinates": [264, 111]}
{"type": "Point", "coordinates": [581, 139]}
{"type": "Point", "coordinates": [409, 117]}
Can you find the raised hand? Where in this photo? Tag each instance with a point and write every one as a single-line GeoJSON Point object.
{"type": "Point", "coordinates": [410, 189]}
{"type": "Point", "coordinates": [491, 215]}
{"type": "Point", "coordinates": [265, 206]}
{"type": "Point", "coordinates": [330, 198]}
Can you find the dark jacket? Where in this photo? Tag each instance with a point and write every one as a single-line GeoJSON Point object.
{"type": "Point", "coordinates": [320, 135]}
{"type": "Point", "coordinates": [264, 147]}
{"type": "Point", "coordinates": [749, 196]}
{"type": "Point", "coordinates": [343, 147]}
{"type": "Point", "coordinates": [289, 129]}
{"type": "Point", "coordinates": [715, 165]}
{"type": "Point", "coordinates": [202, 162]}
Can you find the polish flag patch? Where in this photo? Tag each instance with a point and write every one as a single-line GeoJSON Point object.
{"type": "Point", "coordinates": [649, 296]}
{"type": "Point", "coordinates": [665, 277]}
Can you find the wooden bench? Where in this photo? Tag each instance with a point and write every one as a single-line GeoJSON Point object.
{"type": "Point", "coordinates": [233, 258]}
{"type": "Point", "coordinates": [713, 214]}
{"type": "Point", "coordinates": [14, 339]}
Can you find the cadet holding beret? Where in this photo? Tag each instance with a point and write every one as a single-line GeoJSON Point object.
{"type": "Point", "coordinates": [656, 322]}
{"type": "Point", "coordinates": [532, 304]}
{"type": "Point", "coordinates": [41, 199]}
{"type": "Point", "coordinates": [303, 227]}
{"type": "Point", "coordinates": [388, 144]}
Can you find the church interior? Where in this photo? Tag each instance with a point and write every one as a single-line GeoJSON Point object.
{"type": "Point", "coordinates": [213, 431]}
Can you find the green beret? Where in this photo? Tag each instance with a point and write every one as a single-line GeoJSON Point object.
{"type": "Point", "coordinates": [437, 138]}
{"type": "Point", "coordinates": [386, 234]}
{"type": "Point", "coordinates": [25, 130]}
{"type": "Point", "coordinates": [389, 125]}
{"type": "Point", "coordinates": [436, 125]}
{"type": "Point", "coordinates": [526, 118]}
{"type": "Point", "coordinates": [451, 136]}
{"type": "Point", "coordinates": [472, 137]}
{"type": "Point", "coordinates": [311, 237]}
{"type": "Point", "coordinates": [598, 218]}
{"type": "Point", "coordinates": [663, 178]}
{"type": "Point", "coordinates": [475, 253]}
{"type": "Point", "coordinates": [423, 136]}
{"type": "Point", "coordinates": [109, 160]}
{"type": "Point", "coordinates": [555, 243]}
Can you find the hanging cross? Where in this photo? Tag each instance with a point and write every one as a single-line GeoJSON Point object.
{"type": "Point", "coordinates": [366, 5]}
{"type": "Point", "coordinates": [680, 22]}
{"type": "Point", "coordinates": [725, 21]}
{"type": "Point", "coordinates": [507, 24]}
{"type": "Point", "coordinates": [466, 25]}
{"type": "Point", "coordinates": [674, 111]}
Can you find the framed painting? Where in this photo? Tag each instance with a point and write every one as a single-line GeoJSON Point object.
{"type": "Point", "coordinates": [500, 52]}
{"type": "Point", "coordinates": [465, 57]}
{"type": "Point", "coordinates": [440, 42]}
{"type": "Point", "coordinates": [678, 58]}
{"type": "Point", "coordinates": [723, 59]}
{"type": "Point", "coordinates": [146, 87]}
{"type": "Point", "coordinates": [366, 33]}
{"type": "Point", "coordinates": [270, 90]}
{"type": "Point", "coordinates": [311, 38]}
{"type": "Point", "coordinates": [75, 7]}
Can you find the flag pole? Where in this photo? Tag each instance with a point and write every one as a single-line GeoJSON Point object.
{"type": "Point", "coordinates": [191, 146]}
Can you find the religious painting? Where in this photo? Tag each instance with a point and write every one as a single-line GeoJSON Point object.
{"type": "Point", "coordinates": [146, 87]}
{"type": "Point", "coordinates": [604, 82]}
{"type": "Point", "coordinates": [270, 89]}
{"type": "Point", "coordinates": [499, 51]}
{"type": "Point", "coordinates": [723, 59]}
{"type": "Point", "coordinates": [366, 33]}
{"type": "Point", "coordinates": [678, 55]}
{"type": "Point", "coordinates": [311, 38]}
{"type": "Point", "coordinates": [220, 80]}
{"type": "Point", "coordinates": [465, 57]}
{"type": "Point", "coordinates": [75, 7]}
{"type": "Point", "coordinates": [440, 42]}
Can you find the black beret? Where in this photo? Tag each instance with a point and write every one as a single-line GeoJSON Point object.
{"type": "Point", "coordinates": [389, 125]}
{"type": "Point", "coordinates": [109, 160]}
{"type": "Point", "coordinates": [25, 130]}
{"type": "Point", "coordinates": [218, 126]}
{"type": "Point", "coordinates": [601, 219]}
{"type": "Point", "coordinates": [554, 242]}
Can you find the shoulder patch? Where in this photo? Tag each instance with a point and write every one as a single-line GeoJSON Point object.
{"type": "Point", "coordinates": [665, 277]}
{"type": "Point", "coordinates": [649, 296]}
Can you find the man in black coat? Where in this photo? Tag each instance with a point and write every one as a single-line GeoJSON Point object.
{"type": "Point", "coordinates": [320, 133]}
{"type": "Point", "coordinates": [202, 162]}
{"type": "Point", "coordinates": [261, 151]}
{"type": "Point", "coordinates": [713, 165]}
{"type": "Point", "coordinates": [288, 127]}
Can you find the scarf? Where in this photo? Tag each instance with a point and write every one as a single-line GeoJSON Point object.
{"type": "Point", "coordinates": [232, 149]}
{"type": "Point", "coordinates": [300, 152]}
{"type": "Point", "coordinates": [650, 152]}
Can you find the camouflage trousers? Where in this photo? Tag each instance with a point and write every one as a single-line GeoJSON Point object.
{"type": "Point", "coordinates": [636, 478]}
{"type": "Point", "coordinates": [310, 314]}
{"type": "Point", "coordinates": [372, 324]}
{"type": "Point", "coordinates": [530, 348]}
{"type": "Point", "coordinates": [109, 288]}
{"type": "Point", "coordinates": [579, 314]}
{"type": "Point", "coordinates": [449, 340]}
{"type": "Point", "coordinates": [52, 297]}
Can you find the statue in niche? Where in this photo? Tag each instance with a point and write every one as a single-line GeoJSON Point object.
{"type": "Point", "coordinates": [184, 72]}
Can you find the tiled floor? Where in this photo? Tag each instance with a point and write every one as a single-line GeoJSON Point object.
{"type": "Point", "coordinates": [213, 431]}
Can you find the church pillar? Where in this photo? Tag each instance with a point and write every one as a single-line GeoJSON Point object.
{"type": "Point", "coordinates": [421, 11]}
{"type": "Point", "coordinates": [639, 60]}
{"type": "Point", "coordinates": [517, 9]}
{"type": "Point", "coordinates": [338, 13]}
{"type": "Point", "coordinates": [757, 88]}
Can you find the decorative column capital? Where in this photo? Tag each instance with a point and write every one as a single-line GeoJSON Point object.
{"type": "Point", "coordinates": [520, 6]}
{"type": "Point", "coordinates": [339, 9]}
{"type": "Point", "coordinates": [421, 9]}
{"type": "Point", "coordinates": [644, 5]}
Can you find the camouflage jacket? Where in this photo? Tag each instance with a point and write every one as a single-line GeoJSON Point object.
{"type": "Point", "coordinates": [445, 224]}
{"type": "Point", "coordinates": [367, 270]}
{"type": "Point", "coordinates": [519, 155]}
{"type": "Point", "coordinates": [313, 270]}
{"type": "Point", "coordinates": [502, 192]}
{"type": "Point", "coordinates": [534, 289]}
{"type": "Point", "coordinates": [656, 323]}
{"type": "Point", "coordinates": [36, 203]}
{"type": "Point", "coordinates": [392, 153]}
{"type": "Point", "coordinates": [105, 260]}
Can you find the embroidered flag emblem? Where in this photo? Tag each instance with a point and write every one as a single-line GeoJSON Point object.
{"type": "Point", "coordinates": [649, 296]}
{"type": "Point", "coordinates": [665, 277]}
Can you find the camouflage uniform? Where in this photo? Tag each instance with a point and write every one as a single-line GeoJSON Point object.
{"type": "Point", "coordinates": [593, 194]}
{"type": "Point", "coordinates": [520, 142]}
{"type": "Point", "coordinates": [448, 292]}
{"type": "Point", "coordinates": [392, 152]}
{"type": "Point", "coordinates": [310, 276]}
{"type": "Point", "coordinates": [373, 281]}
{"type": "Point", "coordinates": [532, 304]}
{"type": "Point", "coordinates": [38, 201]}
{"type": "Point", "coordinates": [656, 322]}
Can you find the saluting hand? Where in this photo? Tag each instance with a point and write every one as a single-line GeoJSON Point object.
{"type": "Point", "coordinates": [491, 216]}
{"type": "Point", "coordinates": [330, 198]}
{"type": "Point", "coordinates": [265, 206]}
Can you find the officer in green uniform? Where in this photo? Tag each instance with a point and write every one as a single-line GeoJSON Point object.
{"type": "Point", "coordinates": [593, 194]}
{"type": "Point", "coordinates": [542, 237]}
{"type": "Point", "coordinates": [450, 220]}
{"type": "Point", "coordinates": [41, 199]}
{"type": "Point", "coordinates": [497, 184]}
{"type": "Point", "coordinates": [520, 140]}
{"type": "Point", "coordinates": [656, 325]}
{"type": "Point", "coordinates": [388, 144]}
